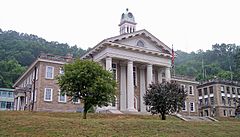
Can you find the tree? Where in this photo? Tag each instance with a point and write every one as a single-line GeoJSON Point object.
{"type": "Point", "coordinates": [89, 82]}
{"type": "Point", "coordinates": [164, 98]}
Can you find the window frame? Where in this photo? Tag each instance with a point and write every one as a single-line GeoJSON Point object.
{"type": "Point", "coordinates": [45, 93]}
{"type": "Point", "coordinates": [193, 106]}
{"type": "Point", "coordinates": [191, 87]}
{"type": "Point", "coordinates": [59, 97]}
{"type": "Point", "coordinates": [46, 74]}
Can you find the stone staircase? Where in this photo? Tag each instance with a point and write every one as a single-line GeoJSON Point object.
{"type": "Point", "coordinates": [196, 118]}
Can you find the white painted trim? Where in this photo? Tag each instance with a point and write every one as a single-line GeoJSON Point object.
{"type": "Point", "coordinates": [189, 90]}
{"type": "Point", "coordinates": [59, 97]}
{"type": "Point", "coordinates": [233, 96]}
{"type": "Point", "coordinates": [46, 71]}
{"type": "Point", "coordinates": [205, 96]}
{"type": "Point", "coordinates": [51, 90]}
{"type": "Point", "coordinates": [200, 97]}
{"type": "Point", "coordinates": [211, 95]}
{"type": "Point", "coordinates": [193, 107]}
{"type": "Point", "coordinates": [187, 81]}
{"type": "Point", "coordinates": [223, 94]}
{"type": "Point", "coordinates": [228, 95]}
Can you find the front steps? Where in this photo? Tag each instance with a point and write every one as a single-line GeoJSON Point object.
{"type": "Point", "coordinates": [195, 118]}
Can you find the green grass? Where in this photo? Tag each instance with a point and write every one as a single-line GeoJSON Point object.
{"type": "Point", "coordinates": [45, 124]}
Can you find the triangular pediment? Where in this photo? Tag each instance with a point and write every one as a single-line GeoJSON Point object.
{"type": "Point", "coordinates": [142, 39]}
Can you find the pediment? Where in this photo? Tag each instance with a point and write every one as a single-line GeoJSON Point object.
{"type": "Point", "coordinates": [141, 39]}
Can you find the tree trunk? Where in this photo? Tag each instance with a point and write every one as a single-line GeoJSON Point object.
{"type": "Point", "coordinates": [86, 108]}
{"type": "Point", "coordinates": [163, 116]}
{"type": "Point", "coordinates": [84, 114]}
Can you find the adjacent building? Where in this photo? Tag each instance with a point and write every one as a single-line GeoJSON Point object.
{"type": "Point", "coordinates": [218, 98]}
{"type": "Point", "coordinates": [6, 99]}
{"type": "Point", "coordinates": [37, 88]}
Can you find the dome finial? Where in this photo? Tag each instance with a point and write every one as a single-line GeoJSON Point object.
{"type": "Point", "coordinates": [126, 9]}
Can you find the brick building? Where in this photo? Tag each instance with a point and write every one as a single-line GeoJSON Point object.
{"type": "Point", "coordinates": [218, 98]}
{"type": "Point", "coordinates": [37, 88]}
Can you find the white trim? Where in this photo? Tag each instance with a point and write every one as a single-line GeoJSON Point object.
{"type": "Point", "coordinates": [59, 97]}
{"type": "Point", "coordinates": [228, 95]}
{"type": "Point", "coordinates": [116, 69]}
{"type": "Point", "coordinates": [211, 95]}
{"type": "Point", "coordinates": [200, 97]}
{"type": "Point", "coordinates": [51, 91]}
{"type": "Point", "coordinates": [205, 96]}
{"type": "Point", "coordinates": [187, 81]}
{"type": "Point", "coordinates": [76, 102]}
{"type": "Point", "coordinates": [46, 71]}
{"type": "Point", "coordinates": [135, 84]}
{"type": "Point", "coordinates": [233, 96]}
{"type": "Point", "coordinates": [223, 94]}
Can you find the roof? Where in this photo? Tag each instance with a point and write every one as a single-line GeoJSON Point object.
{"type": "Point", "coordinates": [113, 40]}
{"type": "Point", "coordinates": [219, 81]}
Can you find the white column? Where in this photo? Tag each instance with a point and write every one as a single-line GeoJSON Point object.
{"type": "Point", "coordinates": [142, 89]}
{"type": "Point", "coordinates": [109, 63]}
{"type": "Point", "coordinates": [130, 87]}
{"type": "Point", "coordinates": [18, 103]}
{"type": "Point", "coordinates": [149, 74]}
{"type": "Point", "coordinates": [159, 75]}
{"type": "Point", "coordinates": [123, 88]}
{"type": "Point", "coordinates": [167, 74]}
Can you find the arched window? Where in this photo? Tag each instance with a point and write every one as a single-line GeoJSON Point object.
{"type": "Point", "coordinates": [140, 43]}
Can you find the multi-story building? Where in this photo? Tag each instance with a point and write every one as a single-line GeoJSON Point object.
{"type": "Point", "coordinates": [37, 88]}
{"type": "Point", "coordinates": [190, 86]}
{"type": "Point", "coordinates": [218, 98]}
{"type": "Point", "coordinates": [6, 99]}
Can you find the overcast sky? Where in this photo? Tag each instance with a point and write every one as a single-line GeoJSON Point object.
{"type": "Point", "coordinates": [187, 24]}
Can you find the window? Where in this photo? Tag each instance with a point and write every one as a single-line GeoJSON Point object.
{"type": "Point", "coordinates": [4, 94]}
{"type": "Point", "coordinates": [114, 71]}
{"type": "Point", "coordinates": [222, 89]}
{"type": "Point", "coordinates": [140, 43]}
{"type": "Point", "coordinates": [49, 72]}
{"type": "Point", "coordinates": [184, 106]}
{"type": "Point", "coordinates": [200, 102]}
{"type": "Point", "coordinates": [191, 90]}
{"type": "Point", "coordinates": [211, 90]}
{"type": "Point", "coordinates": [200, 92]}
{"type": "Point", "coordinates": [3, 104]}
{"type": "Point", "coordinates": [192, 108]}
{"type": "Point", "coordinates": [205, 91]}
{"type": "Point", "coordinates": [61, 71]}
{"type": "Point", "coordinates": [48, 94]}
{"type": "Point", "coordinates": [228, 90]}
{"type": "Point", "coordinates": [235, 101]}
{"type": "Point", "coordinates": [238, 91]}
{"type": "Point", "coordinates": [0, 93]}
{"type": "Point", "coordinates": [206, 101]}
{"type": "Point", "coordinates": [76, 100]}
{"type": "Point", "coordinates": [224, 112]}
{"type": "Point", "coordinates": [212, 100]}
{"type": "Point", "coordinates": [183, 86]}
{"type": "Point", "coordinates": [230, 112]}
{"type": "Point", "coordinates": [62, 97]}
{"type": "Point", "coordinates": [10, 94]}
{"type": "Point", "coordinates": [229, 101]}
{"type": "Point", "coordinates": [233, 90]}
{"type": "Point", "coordinates": [135, 76]}
{"type": "Point", "coordinates": [36, 73]}
{"type": "Point", "coordinates": [223, 100]}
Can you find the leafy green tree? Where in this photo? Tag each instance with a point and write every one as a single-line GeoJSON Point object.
{"type": "Point", "coordinates": [89, 82]}
{"type": "Point", "coordinates": [165, 98]}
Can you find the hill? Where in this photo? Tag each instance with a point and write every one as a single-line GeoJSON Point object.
{"type": "Point", "coordinates": [19, 50]}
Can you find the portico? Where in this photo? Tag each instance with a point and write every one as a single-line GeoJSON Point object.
{"type": "Point", "coordinates": [136, 59]}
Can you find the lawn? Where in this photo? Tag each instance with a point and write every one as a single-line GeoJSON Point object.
{"type": "Point", "coordinates": [45, 124]}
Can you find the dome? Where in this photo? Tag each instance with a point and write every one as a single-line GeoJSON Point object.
{"type": "Point", "coordinates": [127, 17]}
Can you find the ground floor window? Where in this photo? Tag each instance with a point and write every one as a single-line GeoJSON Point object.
{"type": "Point", "coordinates": [224, 112]}
{"type": "Point", "coordinates": [184, 106]}
{"type": "Point", "coordinates": [48, 94]}
{"type": "Point", "coordinates": [192, 108]}
{"type": "Point", "coordinates": [6, 105]}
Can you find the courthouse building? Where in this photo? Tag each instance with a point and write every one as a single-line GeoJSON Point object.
{"type": "Point", "coordinates": [136, 58]}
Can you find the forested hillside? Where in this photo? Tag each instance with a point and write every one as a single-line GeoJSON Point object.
{"type": "Point", "coordinates": [19, 50]}
{"type": "Point", "coordinates": [222, 61]}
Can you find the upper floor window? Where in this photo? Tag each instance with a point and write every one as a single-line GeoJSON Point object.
{"type": "Point", "coordinates": [183, 86]}
{"type": "Point", "coordinates": [48, 94]}
{"type": "Point", "coordinates": [222, 89]}
{"type": "Point", "coordinates": [228, 90]}
{"type": "Point", "coordinates": [233, 90]}
{"type": "Point", "coordinates": [238, 91]}
{"type": "Point", "coordinates": [61, 71]}
{"type": "Point", "coordinates": [211, 90]}
{"type": "Point", "coordinates": [205, 91]}
{"type": "Point", "coordinates": [49, 72]}
{"type": "Point", "coordinates": [200, 92]}
{"type": "Point", "coordinates": [191, 90]}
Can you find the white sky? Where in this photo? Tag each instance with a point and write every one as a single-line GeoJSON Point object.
{"type": "Point", "coordinates": [187, 24]}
